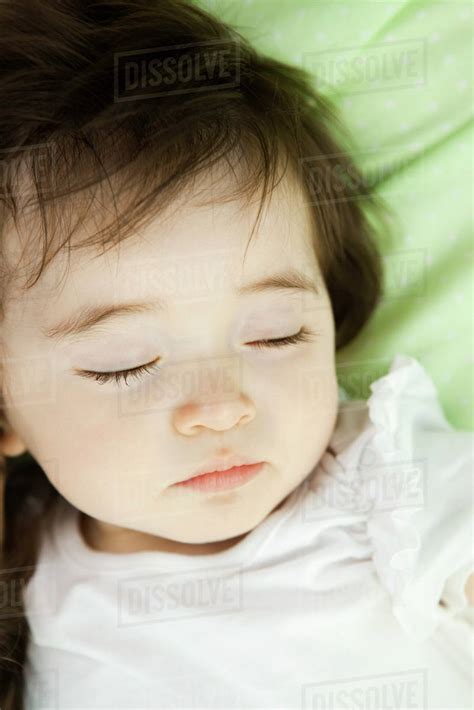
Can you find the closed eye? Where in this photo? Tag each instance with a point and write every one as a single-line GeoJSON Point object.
{"type": "Point", "coordinates": [120, 376]}
{"type": "Point", "coordinates": [303, 335]}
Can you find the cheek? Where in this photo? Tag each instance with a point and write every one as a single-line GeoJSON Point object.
{"type": "Point", "coordinates": [314, 417]}
{"type": "Point", "coordinates": [83, 446]}
{"type": "Point", "coordinates": [98, 472]}
{"type": "Point", "coordinates": [304, 377]}
{"type": "Point", "coordinates": [312, 399]}
{"type": "Point", "coordinates": [315, 401]}
{"type": "Point", "coordinates": [297, 397]}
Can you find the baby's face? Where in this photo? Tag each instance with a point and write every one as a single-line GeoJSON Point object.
{"type": "Point", "coordinates": [115, 449]}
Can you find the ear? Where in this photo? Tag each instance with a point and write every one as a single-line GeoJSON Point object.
{"type": "Point", "coordinates": [10, 443]}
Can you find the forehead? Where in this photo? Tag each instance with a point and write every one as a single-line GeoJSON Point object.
{"type": "Point", "coordinates": [194, 249]}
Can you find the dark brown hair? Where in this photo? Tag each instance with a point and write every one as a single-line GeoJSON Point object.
{"type": "Point", "coordinates": [70, 121]}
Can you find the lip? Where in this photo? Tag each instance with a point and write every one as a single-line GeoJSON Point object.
{"type": "Point", "coordinates": [223, 463]}
{"type": "Point", "coordinates": [221, 479]}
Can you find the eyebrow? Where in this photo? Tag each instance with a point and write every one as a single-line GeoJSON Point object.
{"type": "Point", "coordinates": [91, 316]}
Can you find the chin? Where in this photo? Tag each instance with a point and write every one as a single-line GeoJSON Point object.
{"type": "Point", "coordinates": [212, 533]}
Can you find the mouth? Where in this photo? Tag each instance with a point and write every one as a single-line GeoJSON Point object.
{"type": "Point", "coordinates": [221, 479]}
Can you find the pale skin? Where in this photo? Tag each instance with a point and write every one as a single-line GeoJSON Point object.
{"type": "Point", "coordinates": [113, 451]}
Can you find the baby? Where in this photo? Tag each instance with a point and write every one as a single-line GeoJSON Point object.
{"type": "Point", "coordinates": [185, 247]}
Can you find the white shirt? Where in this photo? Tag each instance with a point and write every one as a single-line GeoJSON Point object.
{"type": "Point", "coordinates": [331, 602]}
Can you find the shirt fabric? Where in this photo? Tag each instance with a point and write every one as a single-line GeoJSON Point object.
{"type": "Point", "coordinates": [351, 595]}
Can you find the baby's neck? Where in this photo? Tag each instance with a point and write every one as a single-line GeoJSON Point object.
{"type": "Point", "coordinates": [102, 537]}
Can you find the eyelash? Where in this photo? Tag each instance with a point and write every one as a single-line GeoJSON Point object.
{"type": "Point", "coordinates": [303, 335]}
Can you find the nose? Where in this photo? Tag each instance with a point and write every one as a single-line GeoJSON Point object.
{"type": "Point", "coordinates": [192, 418]}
